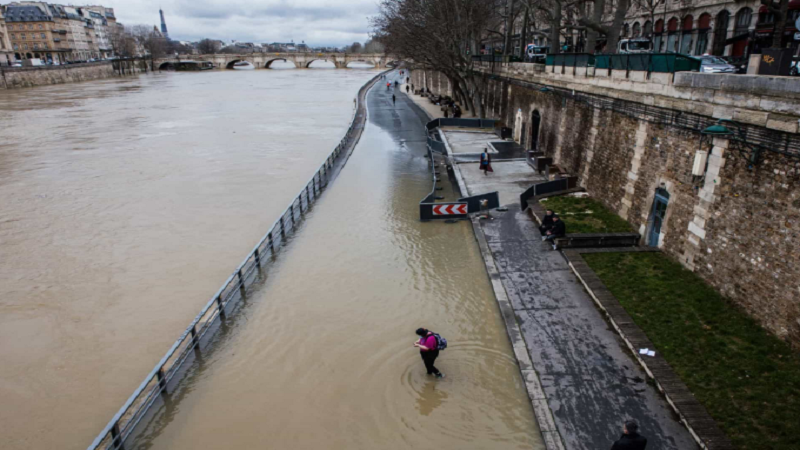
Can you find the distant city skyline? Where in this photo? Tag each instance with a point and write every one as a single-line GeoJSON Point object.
{"type": "Point", "coordinates": [317, 22]}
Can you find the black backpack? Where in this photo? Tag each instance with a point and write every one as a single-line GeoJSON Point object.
{"type": "Point", "coordinates": [441, 343]}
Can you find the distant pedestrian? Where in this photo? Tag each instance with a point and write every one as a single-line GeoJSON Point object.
{"type": "Point", "coordinates": [446, 112]}
{"type": "Point", "coordinates": [394, 99]}
{"type": "Point", "coordinates": [406, 89]}
{"type": "Point", "coordinates": [388, 85]}
{"type": "Point", "coordinates": [396, 83]}
{"type": "Point", "coordinates": [631, 439]}
{"type": "Point", "coordinates": [486, 162]}
{"type": "Point", "coordinates": [407, 80]}
{"type": "Point", "coordinates": [428, 345]}
{"type": "Point", "coordinates": [547, 223]}
{"type": "Point", "coordinates": [559, 229]}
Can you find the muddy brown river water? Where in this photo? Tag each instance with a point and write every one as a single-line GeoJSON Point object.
{"type": "Point", "coordinates": [125, 205]}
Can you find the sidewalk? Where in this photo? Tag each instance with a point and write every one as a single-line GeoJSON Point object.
{"type": "Point", "coordinates": [573, 361]}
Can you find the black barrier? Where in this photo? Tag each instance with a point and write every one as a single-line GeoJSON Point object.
{"type": "Point", "coordinates": [548, 187]}
{"type": "Point", "coordinates": [459, 122]}
{"type": "Point", "coordinates": [436, 146]}
{"type": "Point", "coordinates": [474, 202]}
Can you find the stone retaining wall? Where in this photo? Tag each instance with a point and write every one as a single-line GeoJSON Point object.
{"type": "Point", "coordinates": [23, 77]}
{"type": "Point", "coordinates": [737, 227]}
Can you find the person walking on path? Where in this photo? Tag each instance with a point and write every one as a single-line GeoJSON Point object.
{"type": "Point", "coordinates": [406, 89]}
{"type": "Point", "coordinates": [559, 229]}
{"type": "Point", "coordinates": [631, 439]}
{"type": "Point", "coordinates": [394, 99]}
{"type": "Point", "coordinates": [486, 162]}
{"type": "Point", "coordinates": [429, 350]}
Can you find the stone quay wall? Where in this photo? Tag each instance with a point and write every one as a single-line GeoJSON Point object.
{"type": "Point", "coordinates": [23, 77]}
{"type": "Point", "coordinates": [737, 227]}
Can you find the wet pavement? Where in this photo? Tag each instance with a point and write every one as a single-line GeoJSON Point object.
{"type": "Point", "coordinates": [573, 361]}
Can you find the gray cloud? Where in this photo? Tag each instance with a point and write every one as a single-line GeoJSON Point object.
{"type": "Point", "coordinates": [317, 22]}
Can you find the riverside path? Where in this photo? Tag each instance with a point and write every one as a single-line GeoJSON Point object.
{"type": "Point", "coordinates": [581, 378]}
{"type": "Point", "coordinates": [320, 355]}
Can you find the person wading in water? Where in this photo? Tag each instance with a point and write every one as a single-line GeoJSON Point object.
{"type": "Point", "coordinates": [429, 350]}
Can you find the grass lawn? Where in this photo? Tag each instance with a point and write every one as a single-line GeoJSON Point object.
{"type": "Point", "coordinates": [585, 215]}
{"type": "Point", "coordinates": [748, 379]}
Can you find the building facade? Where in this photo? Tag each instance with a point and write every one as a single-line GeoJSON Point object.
{"type": "Point", "coordinates": [697, 27]}
{"type": "Point", "coordinates": [6, 53]}
{"type": "Point", "coordinates": [30, 28]}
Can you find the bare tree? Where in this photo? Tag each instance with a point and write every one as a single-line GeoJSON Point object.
{"type": "Point", "coordinates": [781, 11]}
{"type": "Point", "coordinates": [355, 48]}
{"type": "Point", "coordinates": [208, 47]}
{"type": "Point", "coordinates": [612, 31]}
{"type": "Point", "coordinates": [439, 35]}
{"type": "Point", "coordinates": [373, 46]}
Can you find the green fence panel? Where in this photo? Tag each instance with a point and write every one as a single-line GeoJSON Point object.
{"type": "Point", "coordinates": [551, 59]}
{"type": "Point", "coordinates": [602, 61]}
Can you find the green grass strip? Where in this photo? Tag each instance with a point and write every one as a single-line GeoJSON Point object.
{"type": "Point", "coordinates": [586, 215]}
{"type": "Point", "coordinates": [748, 380]}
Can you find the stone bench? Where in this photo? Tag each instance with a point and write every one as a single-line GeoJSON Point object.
{"type": "Point", "coordinates": [597, 240]}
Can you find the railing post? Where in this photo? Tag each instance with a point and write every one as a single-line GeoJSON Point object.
{"type": "Point", "coordinates": [194, 335]}
{"type": "Point", "coordinates": [300, 200]}
{"type": "Point", "coordinates": [283, 230]}
{"type": "Point", "coordinates": [271, 242]}
{"type": "Point", "coordinates": [314, 184]}
{"type": "Point", "coordinates": [162, 379]}
{"type": "Point", "coordinates": [116, 437]}
{"type": "Point", "coordinates": [257, 257]}
{"type": "Point", "coordinates": [242, 290]}
{"type": "Point", "coordinates": [220, 307]}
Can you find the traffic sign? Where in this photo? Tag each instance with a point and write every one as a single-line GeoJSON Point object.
{"type": "Point", "coordinates": [449, 209]}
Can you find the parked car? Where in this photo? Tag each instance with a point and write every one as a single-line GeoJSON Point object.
{"type": "Point", "coordinates": [715, 64]}
{"type": "Point", "coordinates": [740, 62]}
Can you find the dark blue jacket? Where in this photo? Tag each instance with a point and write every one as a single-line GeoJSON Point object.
{"type": "Point", "coordinates": [632, 441]}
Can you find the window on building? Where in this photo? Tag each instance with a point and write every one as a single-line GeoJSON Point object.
{"type": "Point", "coordinates": [30, 27]}
{"type": "Point", "coordinates": [16, 46]}
{"type": "Point", "coordinates": [637, 30]}
{"type": "Point", "coordinates": [41, 27]}
{"type": "Point", "coordinates": [22, 36]}
{"type": "Point", "coordinates": [25, 46]}
{"type": "Point", "coordinates": [43, 36]}
{"type": "Point", "coordinates": [743, 18]}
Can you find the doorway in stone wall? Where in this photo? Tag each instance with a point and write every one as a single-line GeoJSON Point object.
{"type": "Point", "coordinates": [658, 214]}
{"type": "Point", "coordinates": [536, 120]}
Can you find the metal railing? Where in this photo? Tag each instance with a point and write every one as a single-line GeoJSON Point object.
{"type": "Point", "coordinates": [155, 383]}
{"type": "Point", "coordinates": [645, 62]}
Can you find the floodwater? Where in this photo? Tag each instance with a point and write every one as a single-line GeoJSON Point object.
{"type": "Point", "coordinates": [126, 204]}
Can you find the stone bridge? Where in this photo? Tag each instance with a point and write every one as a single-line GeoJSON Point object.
{"type": "Point", "coordinates": [264, 60]}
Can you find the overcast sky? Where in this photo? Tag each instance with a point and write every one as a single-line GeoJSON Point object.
{"type": "Point", "coordinates": [317, 22]}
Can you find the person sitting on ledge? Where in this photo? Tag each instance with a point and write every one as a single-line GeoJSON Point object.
{"type": "Point", "coordinates": [559, 229]}
{"type": "Point", "coordinates": [547, 223]}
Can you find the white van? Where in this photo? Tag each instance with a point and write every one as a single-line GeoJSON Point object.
{"type": "Point", "coordinates": [637, 45]}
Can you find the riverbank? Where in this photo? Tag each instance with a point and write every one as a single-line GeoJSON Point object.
{"type": "Point", "coordinates": [580, 378]}
{"type": "Point", "coordinates": [26, 77]}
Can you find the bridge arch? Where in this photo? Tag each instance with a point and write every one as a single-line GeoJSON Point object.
{"type": "Point", "coordinates": [362, 61]}
{"type": "Point", "coordinates": [392, 63]}
{"type": "Point", "coordinates": [308, 64]}
{"type": "Point", "coordinates": [269, 63]}
{"type": "Point", "coordinates": [166, 66]}
{"type": "Point", "coordinates": [232, 62]}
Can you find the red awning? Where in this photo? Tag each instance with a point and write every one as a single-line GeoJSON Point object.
{"type": "Point", "coordinates": [705, 21]}
{"type": "Point", "coordinates": [672, 25]}
{"type": "Point", "coordinates": [688, 21]}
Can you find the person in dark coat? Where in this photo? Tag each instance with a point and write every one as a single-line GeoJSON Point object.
{"type": "Point", "coordinates": [559, 229]}
{"type": "Point", "coordinates": [631, 439]}
{"type": "Point", "coordinates": [486, 162]}
{"type": "Point", "coordinates": [547, 223]}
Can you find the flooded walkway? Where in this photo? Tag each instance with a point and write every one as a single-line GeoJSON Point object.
{"type": "Point", "coordinates": [321, 354]}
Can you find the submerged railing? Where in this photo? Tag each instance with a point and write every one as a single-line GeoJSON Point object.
{"type": "Point", "coordinates": [135, 408]}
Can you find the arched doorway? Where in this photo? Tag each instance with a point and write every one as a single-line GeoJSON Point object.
{"type": "Point", "coordinates": [686, 35]}
{"type": "Point", "coordinates": [703, 27]}
{"type": "Point", "coordinates": [658, 214]}
{"type": "Point", "coordinates": [742, 29]}
{"type": "Point", "coordinates": [720, 32]}
{"type": "Point", "coordinates": [536, 120]}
